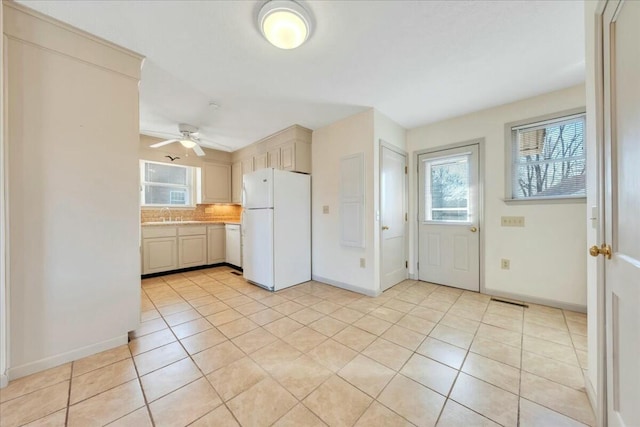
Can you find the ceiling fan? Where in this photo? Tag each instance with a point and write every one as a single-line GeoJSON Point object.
{"type": "Point", "coordinates": [189, 139]}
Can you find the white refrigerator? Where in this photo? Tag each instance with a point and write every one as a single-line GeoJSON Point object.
{"type": "Point", "coordinates": [276, 228]}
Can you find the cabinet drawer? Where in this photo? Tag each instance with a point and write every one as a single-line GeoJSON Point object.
{"type": "Point", "coordinates": [160, 231]}
{"type": "Point", "coordinates": [192, 230]}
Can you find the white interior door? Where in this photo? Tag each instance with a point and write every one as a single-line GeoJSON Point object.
{"type": "Point", "coordinates": [622, 209]}
{"type": "Point", "coordinates": [448, 230]}
{"type": "Point", "coordinates": [393, 219]}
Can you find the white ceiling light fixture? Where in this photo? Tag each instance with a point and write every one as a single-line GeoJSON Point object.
{"type": "Point", "coordinates": [187, 143]}
{"type": "Point", "coordinates": [284, 23]}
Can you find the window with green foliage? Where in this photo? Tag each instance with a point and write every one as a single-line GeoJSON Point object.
{"type": "Point", "coordinates": [163, 184]}
{"type": "Point", "coordinates": [548, 159]}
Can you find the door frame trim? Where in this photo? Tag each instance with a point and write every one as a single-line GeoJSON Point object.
{"type": "Point", "coordinates": [480, 142]}
{"type": "Point", "coordinates": [4, 219]}
{"type": "Point", "coordinates": [598, 395]}
{"type": "Point", "coordinates": [382, 143]}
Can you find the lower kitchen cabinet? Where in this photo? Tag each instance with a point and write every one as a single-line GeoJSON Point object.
{"type": "Point", "coordinates": [216, 244]}
{"type": "Point", "coordinates": [159, 254]}
{"type": "Point", "coordinates": [192, 251]}
{"type": "Point", "coordinates": [234, 245]}
{"type": "Point", "coordinates": [168, 248]}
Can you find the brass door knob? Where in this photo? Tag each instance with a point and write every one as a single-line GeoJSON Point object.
{"type": "Point", "coordinates": [473, 229]}
{"type": "Point", "coordinates": [604, 249]}
{"type": "Point", "coordinates": [384, 227]}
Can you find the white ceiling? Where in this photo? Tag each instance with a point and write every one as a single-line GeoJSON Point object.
{"type": "Point", "coordinates": [415, 61]}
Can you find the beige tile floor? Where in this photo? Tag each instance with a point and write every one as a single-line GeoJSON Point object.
{"type": "Point", "coordinates": [213, 350]}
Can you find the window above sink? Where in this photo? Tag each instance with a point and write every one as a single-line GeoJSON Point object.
{"type": "Point", "coordinates": [163, 184]}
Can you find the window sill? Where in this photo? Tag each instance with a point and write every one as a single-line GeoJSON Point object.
{"type": "Point", "coordinates": [546, 201]}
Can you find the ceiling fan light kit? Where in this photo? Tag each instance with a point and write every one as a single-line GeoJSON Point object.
{"type": "Point", "coordinates": [284, 23]}
{"type": "Point", "coordinates": [189, 139]}
{"type": "Point", "coordinates": [187, 143]}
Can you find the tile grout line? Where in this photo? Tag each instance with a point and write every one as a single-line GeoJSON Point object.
{"type": "Point", "coordinates": [144, 394]}
{"type": "Point", "coordinates": [66, 416]}
{"type": "Point", "coordinates": [190, 356]}
{"type": "Point", "coordinates": [455, 380]}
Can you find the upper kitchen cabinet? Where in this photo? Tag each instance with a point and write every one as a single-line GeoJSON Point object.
{"type": "Point", "coordinates": [247, 165]}
{"type": "Point", "coordinates": [289, 149]}
{"type": "Point", "coordinates": [236, 182]}
{"type": "Point", "coordinates": [273, 158]}
{"type": "Point", "coordinates": [216, 183]}
{"type": "Point", "coordinates": [260, 161]}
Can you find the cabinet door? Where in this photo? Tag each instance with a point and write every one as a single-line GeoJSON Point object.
{"type": "Point", "coordinates": [192, 251]}
{"type": "Point", "coordinates": [260, 161]}
{"type": "Point", "coordinates": [247, 165]}
{"type": "Point", "coordinates": [236, 182]}
{"type": "Point", "coordinates": [273, 158]}
{"type": "Point", "coordinates": [159, 254]}
{"type": "Point", "coordinates": [216, 244]}
{"type": "Point", "coordinates": [216, 183]}
{"type": "Point", "coordinates": [234, 250]}
{"type": "Point", "coordinates": [288, 157]}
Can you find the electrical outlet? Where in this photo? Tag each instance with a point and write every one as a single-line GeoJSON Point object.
{"type": "Point", "coordinates": [325, 209]}
{"type": "Point", "coordinates": [505, 264]}
{"type": "Point", "coordinates": [512, 221]}
{"type": "Point", "coordinates": [362, 263]}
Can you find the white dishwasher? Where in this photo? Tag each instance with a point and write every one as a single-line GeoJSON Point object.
{"type": "Point", "coordinates": [234, 245]}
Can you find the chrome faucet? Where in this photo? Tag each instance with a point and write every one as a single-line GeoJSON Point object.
{"type": "Point", "coordinates": [168, 211]}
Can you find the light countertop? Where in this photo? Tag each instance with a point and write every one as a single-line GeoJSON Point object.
{"type": "Point", "coordinates": [174, 223]}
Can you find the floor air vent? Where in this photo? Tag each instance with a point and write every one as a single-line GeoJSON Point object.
{"type": "Point", "coordinates": [236, 273]}
{"type": "Point", "coordinates": [519, 304]}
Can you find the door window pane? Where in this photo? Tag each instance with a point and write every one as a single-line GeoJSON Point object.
{"type": "Point", "coordinates": [447, 189]}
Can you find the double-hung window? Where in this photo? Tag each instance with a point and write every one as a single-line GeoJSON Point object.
{"type": "Point", "coordinates": [547, 159]}
{"type": "Point", "coordinates": [167, 185]}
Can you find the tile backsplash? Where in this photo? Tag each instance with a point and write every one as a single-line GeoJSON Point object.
{"type": "Point", "coordinates": [199, 213]}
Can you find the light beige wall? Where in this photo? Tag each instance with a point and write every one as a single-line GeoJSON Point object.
{"type": "Point", "coordinates": [73, 202]}
{"type": "Point", "coordinates": [4, 304]}
{"type": "Point", "coordinates": [331, 261]}
{"type": "Point", "coordinates": [547, 256]}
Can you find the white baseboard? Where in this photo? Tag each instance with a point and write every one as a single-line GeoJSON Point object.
{"type": "Point", "coordinates": [348, 287]}
{"type": "Point", "coordinates": [57, 360]}
{"type": "Point", "coordinates": [536, 300]}
{"type": "Point", "coordinates": [4, 380]}
{"type": "Point", "coordinates": [413, 276]}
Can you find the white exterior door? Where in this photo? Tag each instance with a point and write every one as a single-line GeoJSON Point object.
{"type": "Point", "coordinates": [449, 243]}
{"type": "Point", "coordinates": [621, 113]}
{"type": "Point", "coordinates": [393, 208]}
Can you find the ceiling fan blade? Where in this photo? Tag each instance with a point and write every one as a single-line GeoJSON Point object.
{"type": "Point", "coordinates": [160, 144]}
{"type": "Point", "coordinates": [199, 151]}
